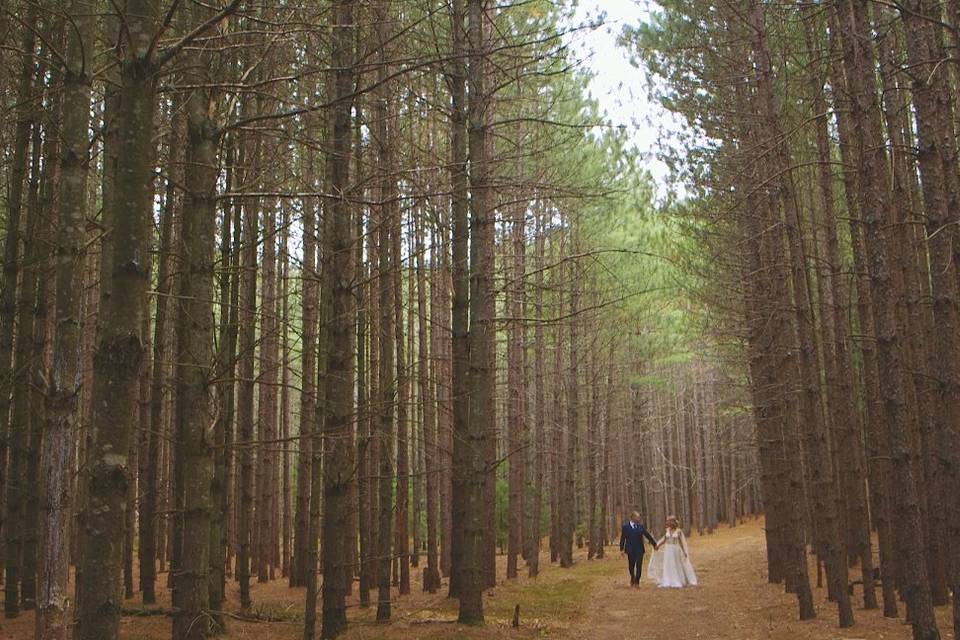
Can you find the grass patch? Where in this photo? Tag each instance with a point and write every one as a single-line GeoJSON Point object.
{"type": "Point", "coordinates": [551, 603]}
{"type": "Point", "coordinates": [558, 596]}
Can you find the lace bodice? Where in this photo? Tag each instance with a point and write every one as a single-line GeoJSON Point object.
{"type": "Point", "coordinates": [673, 537]}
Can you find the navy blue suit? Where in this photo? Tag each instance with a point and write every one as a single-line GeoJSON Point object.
{"type": "Point", "coordinates": [631, 543]}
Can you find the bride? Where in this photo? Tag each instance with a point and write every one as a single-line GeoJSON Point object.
{"type": "Point", "coordinates": [670, 565]}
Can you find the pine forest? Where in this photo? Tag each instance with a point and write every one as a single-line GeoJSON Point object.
{"type": "Point", "coordinates": [380, 319]}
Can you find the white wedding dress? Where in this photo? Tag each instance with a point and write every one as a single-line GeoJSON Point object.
{"type": "Point", "coordinates": [670, 565]}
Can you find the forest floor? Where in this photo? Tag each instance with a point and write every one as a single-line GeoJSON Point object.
{"type": "Point", "coordinates": [590, 601]}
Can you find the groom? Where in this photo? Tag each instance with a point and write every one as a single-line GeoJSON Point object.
{"type": "Point", "coordinates": [631, 542]}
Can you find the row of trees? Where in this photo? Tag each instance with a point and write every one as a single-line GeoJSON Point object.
{"type": "Point", "coordinates": [303, 290]}
{"type": "Point", "coordinates": [698, 449]}
{"type": "Point", "coordinates": [824, 161]}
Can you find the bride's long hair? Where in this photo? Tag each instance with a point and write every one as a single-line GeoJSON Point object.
{"type": "Point", "coordinates": [674, 520]}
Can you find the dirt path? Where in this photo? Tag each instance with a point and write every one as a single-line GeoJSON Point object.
{"type": "Point", "coordinates": [734, 602]}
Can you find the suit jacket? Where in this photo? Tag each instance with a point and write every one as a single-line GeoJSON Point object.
{"type": "Point", "coordinates": [631, 538]}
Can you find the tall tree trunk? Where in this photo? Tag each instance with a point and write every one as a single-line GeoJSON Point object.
{"type": "Point", "coordinates": [387, 400]}
{"type": "Point", "coordinates": [426, 375]}
{"type": "Point", "coordinates": [25, 359]}
{"type": "Point", "coordinates": [941, 195]}
{"type": "Point", "coordinates": [317, 444]}
{"type": "Point", "coordinates": [415, 469]}
{"type": "Point", "coordinates": [444, 386]}
{"type": "Point", "coordinates": [913, 310]}
{"type": "Point", "coordinates": [476, 468]}
{"type": "Point", "coordinates": [783, 409]}
{"type": "Point", "coordinates": [308, 402]}
{"type": "Point", "coordinates": [338, 415]}
{"type": "Point", "coordinates": [225, 395]}
{"type": "Point", "coordinates": [35, 373]}
{"type": "Point", "coordinates": [873, 178]}
{"type": "Point", "coordinates": [768, 327]}
{"type": "Point", "coordinates": [245, 407]}
{"type": "Point", "coordinates": [402, 541]}
{"type": "Point", "coordinates": [594, 437]}
{"type": "Point", "coordinates": [267, 397]}
{"type": "Point", "coordinates": [18, 429]}
{"type": "Point", "coordinates": [878, 472]}
{"type": "Point", "coordinates": [557, 432]}
{"type": "Point", "coordinates": [150, 494]}
{"type": "Point", "coordinates": [417, 364]}
{"type": "Point", "coordinates": [25, 115]}
{"type": "Point", "coordinates": [568, 489]}
{"type": "Point", "coordinates": [195, 364]}
{"type": "Point", "coordinates": [838, 365]}
{"type": "Point", "coordinates": [372, 414]}
{"type": "Point", "coordinates": [481, 78]}
{"type": "Point", "coordinates": [460, 356]}
{"type": "Point", "coordinates": [441, 348]}
{"type": "Point", "coordinates": [284, 496]}
{"type": "Point", "coordinates": [387, 210]}
{"type": "Point", "coordinates": [62, 408]}
{"type": "Point", "coordinates": [516, 370]}
{"type": "Point", "coordinates": [538, 447]}
{"type": "Point", "coordinates": [124, 282]}
{"type": "Point", "coordinates": [811, 405]}
{"type": "Point", "coordinates": [364, 425]}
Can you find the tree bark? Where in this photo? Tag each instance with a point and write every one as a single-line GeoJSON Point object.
{"type": "Point", "coordinates": [877, 465]}
{"type": "Point", "coordinates": [18, 427]}
{"type": "Point", "coordinates": [872, 180]}
{"type": "Point", "coordinates": [62, 406]}
{"type": "Point", "coordinates": [339, 466]}
{"type": "Point", "coordinates": [267, 398]}
{"type": "Point", "coordinates": [516, 414]}
{"type": "Point", "coordinates": [538, 447]}
{"type": "Point", "coordinates": [226, 397]}
{"type": "Point", "coordinates": [124, 282]}
{"type": "Point", "coordinates": [150, 494]}
{"type": "Point", "coordinates": [365, 348]}
{"type": "Point", "coordinates": [245, 408]}
{"type": "Point", "coordinates": [837, 360]}
{"type": "Point", "coordinates": [817, 437]}
{"type": "Point", "coordinates": [402, 541]}
{"type": "Point", "coordinates": [941, 195]}
{"type": "Point", "coordinates": [425, 380]}
{"type": "Point", "coordinates": [386, 210]}
{"type": "Point", "coordinates": [481, 376]}
{"type": "Point", "coordinates": [308, 401]}
{"type": "Point", "coordinates": [25, 116]}
{"type": "Point", "coordinates": [460, 357]}
{"type": "Point", "coordinates": [195, 364]}
{"type": "Point", "coordinates": [568, 513]}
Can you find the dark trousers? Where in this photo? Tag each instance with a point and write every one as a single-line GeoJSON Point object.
{"type": "Point", "coordinates": [635, 563]}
